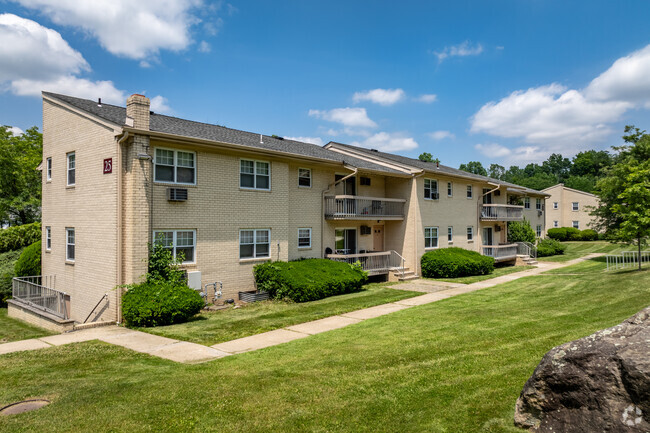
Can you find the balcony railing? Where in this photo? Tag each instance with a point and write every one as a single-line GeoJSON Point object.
{"type": "Point", "coordinates": [34, 291]}
{"type": "Point", "coordinates": [373, 263]}
{"type": "Point", "coordinates": [341, 207]}
{"type": "Point", "coordinates": [501, 212]}
{"type": "Point", "coordinates": [500, 252]}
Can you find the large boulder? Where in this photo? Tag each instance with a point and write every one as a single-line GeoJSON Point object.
{"type": "Point", "coordinates": [600, 383]}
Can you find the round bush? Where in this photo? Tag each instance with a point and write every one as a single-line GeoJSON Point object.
{"type": "Point", "coordinates": [455, 262]}
{"type": "Point", "coordinates": [159, 303]}
{"type": "Point", "coordinates": [550, 247]}
{"type": "Point", "coordinates": [559, 234]}
{"type": "Point", "coordinates": [29, 262]}
{"type": "Point", "coordinates": [589, 235]}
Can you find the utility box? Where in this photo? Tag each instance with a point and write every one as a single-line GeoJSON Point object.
{"type": "Point", "coordinates": [194, 280]}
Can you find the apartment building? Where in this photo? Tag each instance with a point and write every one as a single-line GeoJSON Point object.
{"type": "Point", "coordinates": [569, 207]}
{"type": "Point", "coordinates": [116, 178]}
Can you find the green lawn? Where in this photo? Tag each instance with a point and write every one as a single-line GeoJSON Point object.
{"type": "Point", "coordinates": [579, 249]}
{"type": "Point", "coordinates": [13, 330]}
{"type": "Point", "coordinates": [218, 326]}
{"type": "Point", "coordinates": [457, 365]}
{"type": "Point", "coordinates": [502, 270]}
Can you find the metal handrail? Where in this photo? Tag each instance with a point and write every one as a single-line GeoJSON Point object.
{"type": "Point", "coordinates": [403, 261]}
{"type": "Point", "coordinates": [526, 249]}
{"type": "Point", "coordinates": [500, 251]}
{"type": "Point", "coordinates": [351, 206]}
{"type": "Point", "coordinates": [33, 291]}
{"type": "Point", "coordinates": [95, 307]}
{"type": "Point", "coordinates": [501, 212]}
{"type": "Point", "coordinates": [626, 259]}
{"type": "Point", "coordinates": [373, 263]}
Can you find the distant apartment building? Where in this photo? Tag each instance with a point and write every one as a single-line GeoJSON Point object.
{"type": "Point", "coordinates": [569, 207]}
{"type": "Point", "coordinates": [115, 179]}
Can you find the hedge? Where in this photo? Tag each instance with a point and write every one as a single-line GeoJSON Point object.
{"type": "Point", "coordinates": [16, 237]}
{"type": "Point", "coordinates": [7, 263]}
{"type": "Point", "coordinates": [549, 247]}
{"type": "Point", "coordinates": [308, 280]}
{"type": "Point", "coordinates": [29, 262]}
{"type": "Point", "coordinates": [159, 303]}
{"type": "Point", "coordinates": [564, 234]}
{"type": "Point", "coordinates": [455, 262]}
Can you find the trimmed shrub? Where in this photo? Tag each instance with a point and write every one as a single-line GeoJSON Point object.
{"type": "Point", "coordinates": [521, 231]}
{"type": "Point", "coordinates": [564, 234]}
{"type": "Point", "coordinates": [29, 262]}
{"type": "Point", "coordinates": [549, 247]}
{"type": "Point", "coordinates": [308, 280]}
{"type": "Point", "coordinates": [17, 237]}
{"type": "Point", "coordinates": [455, 262]}
{"type": "Point", "coordinates": [159, 303]}
{"type": "Point", "coordinates": [589, 235]}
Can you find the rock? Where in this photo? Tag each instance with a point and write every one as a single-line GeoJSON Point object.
{"type": "Point", "coordinates": [600, 383]}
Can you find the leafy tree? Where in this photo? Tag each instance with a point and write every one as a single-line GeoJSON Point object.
{"type": "Point", "coordinates": [474, 167]}
{"type": "Point", "coordinates": [20, 182]}
{"type": "Point", "coordinates": [557, 166]}
{"type": "Point", "coordinates": [521, 231]}
{"type": "Point", "coordinates": [590, 163]}
{"type": "Point", "coordinates": [496, 171]}
{"type": "Point", "coordinates": [585, 183]}
{"type": "Point", "coordinates": [427, 157]}
{"type": "Point", "coordinates": [624, 192]}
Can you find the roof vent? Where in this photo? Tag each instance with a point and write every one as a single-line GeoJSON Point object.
{"type": "Point", "coordinates": [99, 102]}
{"type": "Point", "coordinates": [373, 150]}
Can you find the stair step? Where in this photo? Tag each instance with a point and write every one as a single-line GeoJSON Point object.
{"type": "Point", "coordinates": [408, 277]}
{"type": "Point", "coordinates": [405, 273]}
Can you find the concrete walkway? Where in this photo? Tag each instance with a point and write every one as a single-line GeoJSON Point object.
{"type": "Point", "coordinates": [186, 352]}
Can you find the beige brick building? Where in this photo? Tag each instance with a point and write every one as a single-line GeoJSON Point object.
{"type": "Point", "coordinates": [115, 178]}
{"type": "Point", "coordinates": [569, 207]}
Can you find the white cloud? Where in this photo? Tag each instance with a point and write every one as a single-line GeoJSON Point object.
{"type": "Point", "coordinates": [441, 135]}
{"type": "Point", "coordinates": [204, 47]}
{"type": "Point", "coordinates": [70, 85]}
{"type": "Point", "coordinates": [136, 30]}
{"type": "Point", "coordinates": [493, 150]}
{"type": "Point", "coordinates": [351, 117]}
{"type": "Point", "coordinates": [313, 140]}
{"type": "Point", "coordinates": [159, 105]}
{"type": "Point", "coordinates": [461, 50]}
{"type": "Point", "coordinates": [16, 131]}
{"type": "Point", "coordinates": [427, 98]}
{"type": "Point", "coordinates": [387, 142]}
{"type": "Point", "coordinates": [380, 96]}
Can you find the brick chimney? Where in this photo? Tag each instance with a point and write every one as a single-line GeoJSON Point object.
{"type": "Point", "coordinates": [137, 108]}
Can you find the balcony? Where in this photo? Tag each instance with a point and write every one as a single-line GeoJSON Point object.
{"type": "Point", "coordinates": [501, 212]}
{"type": "Point", "coordinates": [378, 263]}
{"type": "Point", "coordinates": [350, 207]}
{"type": "Point", "coordinates": [38, 293]}
{"type": "Point", "coordinates": [501, 252]}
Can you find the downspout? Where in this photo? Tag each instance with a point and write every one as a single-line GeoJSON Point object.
{"type": "Point", "coordinates": [478, 212]}
{"type": "Point", "coordinates": [416, 224]}
{"type": "Point", "coordinates": [322, 207]}
{"type": "Point", "coordinates": [119, 227]}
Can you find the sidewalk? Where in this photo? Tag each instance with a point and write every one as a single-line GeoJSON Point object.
{"type": "Point", "coordinates": [186, 352]}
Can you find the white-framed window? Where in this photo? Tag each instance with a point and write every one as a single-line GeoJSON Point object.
{"type": "Point", "coordinates": [576, 224]}
{"type": "Point", "coordinates": [555, 205]}
{"type": "Point", "coordinates": [180, 242]}
{"type": "Point", "coordinates": [470, 191]}
{"type": "Point", "coordinates": [470, 233]}
{"type": "Point", "coordinates": [175, 166]}
{"type": "Point", "coordinates": [538, 204]}
{"type": "Point", "coordinates": [48, 169]}
{"type": "Point", "coordinates": [255, 174]}
{"type": "Point", "coordinates": [70, 157]}
{"type": "Point", "coordinates": [431, 237]}
{"type": "Point", "coordinates": [69, 244]}
{"type": "Point", "coordinates": [538, 231]}
{"type": "Point", "coordinates": [254, 243]}
{"type": "Point", "coordinates": [556, 223]}
{"type": "Point", "coordinates": [304, 177]}
{"type": "Point", "coordinates": [304, 238]}
{"type": "Point", "coordinates": [450, 189]}
{"type": "Point", "coordinates": [575, 206]}
{"type": "Point", "coordinates": [450, 234]}
{"type": "Point", "coordinates": [526, 202]}
{"type": "Point", "coordinates": [48, 238]}
{"type": "Point", "coordinates": [430, 189]}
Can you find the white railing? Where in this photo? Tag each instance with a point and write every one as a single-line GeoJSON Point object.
{"type": "Point", "coordinates": [354, 207]}
{"type": "Point", "coordinates": [526, 249]}
{"type": "Point", "coordinates": [500, 252]}
{"type": "Point", "coordinates": [374, 263]}
{"type": "Point", "coordinates": [34, 291]}
{"type": "Point", "coordinates": [502, 212]}
{"type": "Point", "coordinates": [627, 259]}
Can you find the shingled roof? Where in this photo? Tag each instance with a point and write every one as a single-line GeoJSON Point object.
{"type": "Point", "coordinates": [219, 134]}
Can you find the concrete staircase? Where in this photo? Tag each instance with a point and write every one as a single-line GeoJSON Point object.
{"type": "Point", "coordinates": [528, 260]}
{"type": "Point", "coordinates": [408, 275]}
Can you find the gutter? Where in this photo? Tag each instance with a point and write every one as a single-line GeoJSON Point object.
{"type": "Point", "coordinates": [119, 279]}
{"type": "Point", "coordinates": [416, 263]}
{"type": "Point", "coordinates": [322, 205]}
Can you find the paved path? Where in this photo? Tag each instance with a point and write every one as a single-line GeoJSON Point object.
{"type": "Point", "coordinates": [186, 352]}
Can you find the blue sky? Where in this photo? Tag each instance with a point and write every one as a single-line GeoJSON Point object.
{"type": "Point", "coordinates": [497, 81]}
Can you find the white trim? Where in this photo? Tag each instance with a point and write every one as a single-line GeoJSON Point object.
{"type": "Point", "coordinates": [468, 232]}
{"type": "Point", "coordinates": [450, 232]}
{"type": "Point", "coordinates": [575, 206]}
{"type": "Point", "coordinates": [431, 191]}
{"type": "Point", "coordinates": [527, 203]}
{"type": "Point", "coordinates": [174, 166]}
{"type": "Point", "coordinates": [67, 244]}
{"type": "Point", "coordinates": [254, 161]}
{"type": "Point", "coordinates": [68, 169]}
{"type": "Point", "coordinates": [299, 186]}
{"type": "Point", "coordinates": [174, 246]}
{"type": "Point", "coordinates": [575, 224]}
{"type": "Point", "coordinates": [556, 224]}
{"type": "Point", "coordinates": [437, 238]}
{"type": "Point", "coordinates": [48, 238]}
{"type": "Point", "coordinates": [48, 169]}
{"type": "Point", "coordinates": [470, 190]}
{"type": "Point", "coordinates": [538, 230]}
{"type": "Point", "coordinates": [556, 205]}
{"type": "Point", "coordinates": [450, 187]}
{"type": "Point", "coordinates": [304, 246]}
{"type": "Point", "coordinates": [254, 243]}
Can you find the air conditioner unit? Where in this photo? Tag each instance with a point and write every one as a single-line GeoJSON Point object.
{"type": "Point", "coordinates": [497, 193]}
{"type": "Point", "coordinates": [177, 194]}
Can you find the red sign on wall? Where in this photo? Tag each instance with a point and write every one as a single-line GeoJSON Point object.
{"type": "Point", "coordinates": [108, 165]}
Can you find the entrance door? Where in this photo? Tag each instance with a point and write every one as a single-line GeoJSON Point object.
{"type": "Point", "coordinates": [378, 238]}
{"type": "Point", "coordinates": [346, 241]}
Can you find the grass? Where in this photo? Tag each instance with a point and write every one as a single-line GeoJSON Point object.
{"type": "Point", "coordinates": [14, 330]}
{"type": "Point", "coordinates": [579, 249]}
{"type": "Point", "coordinates": [457, 365]}
{"type": "Point", "coordinates": [218, 326]}
{"type": "Point", "coordinates": [498, 272]}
